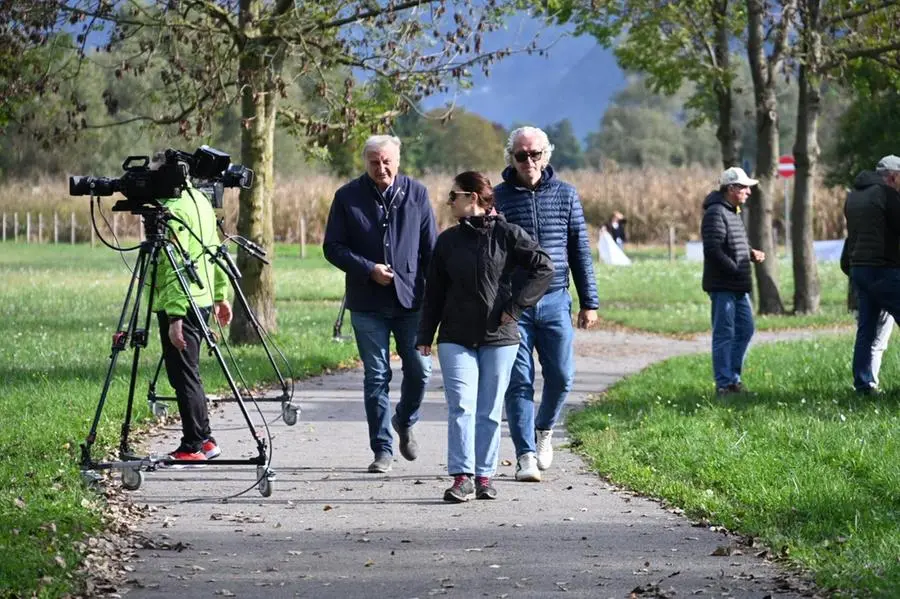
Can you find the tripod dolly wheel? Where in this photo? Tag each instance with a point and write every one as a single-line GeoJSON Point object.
{"type": "Point", "coordinates": [289, 414]}
{"type": "Point", "coordinates": [132, 478]}
{"type": "Point", "coordinates": [160, 410]}
{"type": "Point", "coordinates": [265, 477]}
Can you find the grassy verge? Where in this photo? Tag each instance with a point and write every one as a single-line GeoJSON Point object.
{"type": "Point", "coordinates": [804, 464]}
{"type": "Point", "coordinates": [666, 297]}
{"type": "Point", "coordinates": [58, 308]}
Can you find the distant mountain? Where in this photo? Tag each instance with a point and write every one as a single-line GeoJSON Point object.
{"type": "Point", "coordinates": [575, 80]}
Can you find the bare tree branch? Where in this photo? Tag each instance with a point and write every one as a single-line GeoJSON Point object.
{"type": "Point", "coordinates": [860, 12]}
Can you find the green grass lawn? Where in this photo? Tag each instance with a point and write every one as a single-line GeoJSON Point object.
{"type": "Point", "coordinates": [60, 304]}
{"type": "Point", "coordinates": [805, 464]}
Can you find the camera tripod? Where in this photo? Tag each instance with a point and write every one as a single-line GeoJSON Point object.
{"type": "Point", "coordinates": [128, 330]}
{"type": "Point", "coordinates": [336, 334]}
{"type": "Point", "coordinates": [221, 256]}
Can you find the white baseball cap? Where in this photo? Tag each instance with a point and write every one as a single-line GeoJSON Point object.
{"type": "Point", "coordinates": [735, 176]}
{"type": "Point", "coordinates": [888, 163]}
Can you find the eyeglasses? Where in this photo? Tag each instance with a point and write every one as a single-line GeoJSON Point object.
{"type": "Point", "coordinates": [451, 197]}
{"type": "Point", "coordinates": [522, 155]}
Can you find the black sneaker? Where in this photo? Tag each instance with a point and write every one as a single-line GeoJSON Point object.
{"type": "Point", "coordinates": [462, 489]}
{"type": "Point", "coordinates": [409, 448]}
{"type": "Point", "coordinates": [484, 489]}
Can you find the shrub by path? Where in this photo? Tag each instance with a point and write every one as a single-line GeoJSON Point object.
{"type": "Point", "coordinates": [332, 530]}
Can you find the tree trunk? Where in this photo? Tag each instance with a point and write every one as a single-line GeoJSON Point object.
{"type": "Point", "coordinates": [762, 202]}
{"type": "Point", "coordinates": [725, 131]}
{"type": "Point", "coordinates": [258, 106]}
{"type": "Point", "coordinates": [807, 291]}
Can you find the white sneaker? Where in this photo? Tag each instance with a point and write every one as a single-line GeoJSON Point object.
{"type": "Point", "coordinates": [527, 469]}
{"type": "Point", "coordinates": [544, 449]}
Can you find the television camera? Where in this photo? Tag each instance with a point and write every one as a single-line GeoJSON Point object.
{"type": "Point", "coordinates": [146, 182]}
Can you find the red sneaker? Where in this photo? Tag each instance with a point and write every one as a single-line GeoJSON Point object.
{"type": "Point", "coordinates": [210, 449]}
{"type": "Point", "coordinates": [185, 456]}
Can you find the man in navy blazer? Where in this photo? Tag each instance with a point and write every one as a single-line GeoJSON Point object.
{"type": "Point", "coordinates": [381, 232]}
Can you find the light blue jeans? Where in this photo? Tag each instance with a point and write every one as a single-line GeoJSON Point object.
{"type": "Point", "coordinates": [474, 382]}
{"type": "Point", "coordinates": [548, 328]}
{"type": "Point", "coordinates": [373, 340]}
{"type": "Point", "coordinates": [732, 329]}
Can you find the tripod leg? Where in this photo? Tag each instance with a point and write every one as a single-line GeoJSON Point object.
{"type": "Point", "coordinates": [119, 343]}
{"type": "Point", "coordinates": [339, 323]}
{"type": "Point", "coordinates": [159, 410]}
{"type": "Point", "coordinates": [214, 349]}
{"type": "Point", "coordinates": [139, 340]}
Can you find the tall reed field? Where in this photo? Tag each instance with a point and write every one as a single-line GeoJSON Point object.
{"type": "Point", "coordinates": [652, 200]}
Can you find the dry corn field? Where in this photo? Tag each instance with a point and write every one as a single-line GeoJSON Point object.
{"type": "Point", "coordinates": [652, 201]}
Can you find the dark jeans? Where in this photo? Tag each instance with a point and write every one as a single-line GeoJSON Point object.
{"type": "Point", "coordinates": [877, 290]}
{"type": "Point", "coordinates": [183, 370]}
{"type": "Point", "coordinates": [373, 340]}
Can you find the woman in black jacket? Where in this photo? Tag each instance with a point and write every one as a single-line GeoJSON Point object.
{"type": "Point", "coordinates": [472, 294]}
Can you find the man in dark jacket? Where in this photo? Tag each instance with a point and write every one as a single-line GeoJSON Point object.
{"type": "Point", "coordinates": [872, 256]}
{"type": "Point", "coordinates": [727, 277]}
{"type": "Point", "coordinates": [551, 213]}
{"type": "Point", "coordinates": [381, 232]}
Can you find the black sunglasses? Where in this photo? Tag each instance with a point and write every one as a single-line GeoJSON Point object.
{"type": "Point", "coordinates": [453, 194]}
{"type": "Point", "coordinates": [522, 155]}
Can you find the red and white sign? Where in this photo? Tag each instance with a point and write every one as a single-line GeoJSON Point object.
{"type": "Point", "coordinates": [786, 166]}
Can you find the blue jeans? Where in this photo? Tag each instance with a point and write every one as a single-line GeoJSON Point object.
{"type": "Point", "coordinates": [474, 383]}
{"type": "Point", "coordinates": [373, 340]}
{"type": "Point", "coordinates": [878, 292]}
{"type": "Point", "coordinates": [732, 329]}
{"type": "Point", "coordinates": [548, 328]}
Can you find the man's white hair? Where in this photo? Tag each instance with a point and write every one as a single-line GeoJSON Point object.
{"type": "Point", "coordinates": [380, 142]}
{"type": "Point", "coordinates": [546, 146]}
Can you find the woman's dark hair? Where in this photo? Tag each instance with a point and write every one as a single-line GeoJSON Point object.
{"type": "Point", "coordinates": [478, 183]}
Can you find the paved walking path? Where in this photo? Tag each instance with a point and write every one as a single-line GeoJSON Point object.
{"type": "Point", "coordinates": [332, 530]}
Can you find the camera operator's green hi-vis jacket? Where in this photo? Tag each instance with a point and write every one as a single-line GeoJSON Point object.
{"type": "Point", "coordinates": [198, 213]}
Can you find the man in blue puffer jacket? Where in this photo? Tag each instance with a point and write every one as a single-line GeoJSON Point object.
{"type": "Point", "coordinates": [550, 211]}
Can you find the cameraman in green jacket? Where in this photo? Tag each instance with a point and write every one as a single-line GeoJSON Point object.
{"type": "Point", "coordinates": [180, 332]}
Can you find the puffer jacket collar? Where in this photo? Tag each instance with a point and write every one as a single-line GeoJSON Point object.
{"type": "Point", "coordinates": [717, 197]}
{"type": "Point", "coordinates": [511, 176]}
{"type": "Point", "coordinates": [481, 223]}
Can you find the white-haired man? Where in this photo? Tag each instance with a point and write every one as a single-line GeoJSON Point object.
{"type": "Point", "coordinates": [381, 232]}
{"type": "Point", "coordinates": [872, 252]}
{"type": "Point", "coordinates": [727, 277]}
{"type": "Point", "coordinates": [550, 210]}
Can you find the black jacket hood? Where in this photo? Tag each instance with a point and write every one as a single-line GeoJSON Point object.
{"type": "Point", "coordinates": [717, 197]}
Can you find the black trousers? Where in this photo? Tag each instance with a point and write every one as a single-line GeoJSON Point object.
{"type": "Point", "coordinates": [183, 370]}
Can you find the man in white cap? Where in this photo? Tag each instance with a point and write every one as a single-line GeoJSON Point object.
{"type": "Point", "coordinates": [727, 277]}
{"type": "Point", "coordinates": [872, 253]}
